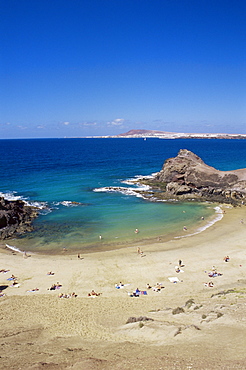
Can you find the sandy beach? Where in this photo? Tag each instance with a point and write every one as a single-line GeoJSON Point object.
{"type": "Point", "coordinates": [174, 325]}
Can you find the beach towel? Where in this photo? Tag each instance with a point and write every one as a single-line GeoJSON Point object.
{"type": "Point", "coordinates": [173, 279]}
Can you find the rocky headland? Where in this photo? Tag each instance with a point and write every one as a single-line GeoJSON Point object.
{"type": "Point", "coordinates": [15, 217]}
{"type": "Point", "coordinates": [187, 177]}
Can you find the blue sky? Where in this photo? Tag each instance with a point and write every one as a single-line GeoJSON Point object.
{"type": "Point", "coordinates": [103, 67]}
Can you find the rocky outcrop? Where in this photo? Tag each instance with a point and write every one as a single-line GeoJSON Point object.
{"type": "Point", "coordinates": [188, 177]}
{"type": "Point", "coordinates": [15, 217]}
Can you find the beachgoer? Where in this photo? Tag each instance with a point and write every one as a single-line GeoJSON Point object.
{"type": "Point", "coordinates": [177, 269]}
{"type": "Point", "coordinates": [136, 231]}
{"type": "Point", "coordinates": [139, 251]}
{"type": "Point", "coordinates": [184, 228]}
{"type": "Point", "coordinates": [100, 237]}
{"type": "Point", "coordinates": [226, 258]}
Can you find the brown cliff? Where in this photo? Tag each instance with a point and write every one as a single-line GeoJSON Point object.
{"type": "Point", "coordinates": [188, 177]}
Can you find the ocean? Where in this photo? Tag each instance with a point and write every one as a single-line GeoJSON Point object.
{"type": "Point", "coordinates": [73, 183]}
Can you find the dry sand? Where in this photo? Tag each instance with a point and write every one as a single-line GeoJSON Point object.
{"type": "Point", "coordinates": [39, 330]}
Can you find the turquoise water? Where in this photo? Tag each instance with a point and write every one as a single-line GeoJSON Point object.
{"type": "Point", "coordinates": [52, 173]}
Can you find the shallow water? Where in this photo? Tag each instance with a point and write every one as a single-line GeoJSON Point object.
{"type": "Point", "coordinates": [55, 172]}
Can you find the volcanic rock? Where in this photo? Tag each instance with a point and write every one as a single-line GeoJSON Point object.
{"type": "Point", "coordinates": [186, 176]}
{"type": "Point", "coordinates": [15, 217]}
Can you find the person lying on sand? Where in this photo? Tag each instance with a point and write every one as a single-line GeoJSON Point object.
{"type": "Point", "coordinates": [214, 274]}
{"type": "Point", "coordinates": [12, 278]}
{"type": "Point", "coordinates": [158, 287]}
{"type": "Point", "coordinates": [137, 293]}
{"type": "Point", "coordinates": [55, 286]}
{"type": "Point", "coordinates": [15, 284]}
{"type": "Point", "coordinates": [50, 273]}
{"type": "Point", "coordinates": [93, 293]}
{"type": "Point", "coordinates": [210, 284]}
{"type": "Point", "coordinates": [4, 271]}
{"type": "Point", "coordinates": [119, 286]}
{"type": "Point", "coordinates": [70, 295]}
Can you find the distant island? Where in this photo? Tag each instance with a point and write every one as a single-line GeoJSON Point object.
{"type": "Point", "coordinates": [174, 135]}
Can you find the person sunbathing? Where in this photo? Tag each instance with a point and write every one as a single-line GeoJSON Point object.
{"type": "Point", "coordinates": [177, 269]}
{"type": "Point", "coordinates": [158, 287]}
{"type": "Point", "coordinates": [93, 293]}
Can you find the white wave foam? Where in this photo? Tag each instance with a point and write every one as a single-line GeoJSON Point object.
{"type": "Point", "coordinates": [11, 196]}
{"type": "Point", "coordinates": [39, 205]}
{"type": "Point", "coordinates": [119, 189]}
{"type": "Point", "coordinates": [217, 218]}
{"type": "Point", "coordinates": [67, 203]}
{"type": "Point", "coordinates": [13, 248]}
{"type": "Point", "coordinates": [137, 178]}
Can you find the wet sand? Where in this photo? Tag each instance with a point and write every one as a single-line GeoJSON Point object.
{"type": "Point", "coordinates": [190, 326]}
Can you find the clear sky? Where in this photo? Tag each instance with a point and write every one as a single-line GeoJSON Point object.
{"type": "Point", "coordinates": [103, 67]}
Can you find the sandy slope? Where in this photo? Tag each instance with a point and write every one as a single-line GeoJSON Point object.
{"type": "Point", "coordinates": [40, 330]}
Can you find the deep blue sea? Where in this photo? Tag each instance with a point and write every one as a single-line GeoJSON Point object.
{"type": "Point", "coordinates": [53, 173]}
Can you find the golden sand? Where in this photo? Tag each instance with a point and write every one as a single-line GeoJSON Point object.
{"type": "Point", "coordinates": [41, 330]}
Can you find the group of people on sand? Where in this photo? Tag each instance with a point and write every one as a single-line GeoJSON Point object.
{"type": "Point", "coordinates": [214, 273]}
{"type": "Point", "coordinates": [15, 282]}
{"type": "Point", "coordinates": [156, 288]}
{"type": "Point", "coordinates": [178, 268]}
{"type": "Point", "coordinates": [55, 286]}
{"type": "Point", "coordinates": [137, 293]}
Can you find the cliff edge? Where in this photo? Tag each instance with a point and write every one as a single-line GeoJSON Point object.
{"type": "Point", "coordinates": [186, 176]}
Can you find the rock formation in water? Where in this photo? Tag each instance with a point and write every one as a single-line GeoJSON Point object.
{"type": "Point", "coordinates": [15, 217]}
{"type": "Point", "coordinates": [188, 177]}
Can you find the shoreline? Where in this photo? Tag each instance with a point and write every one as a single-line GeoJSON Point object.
{"type": "Point", "coordinates": [210, 333]}
{"type": "Point", "coordinates": [103, 246]}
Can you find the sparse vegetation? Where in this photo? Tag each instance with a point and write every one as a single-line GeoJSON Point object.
{"type": "Point", "coordinates": [177, 310]}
